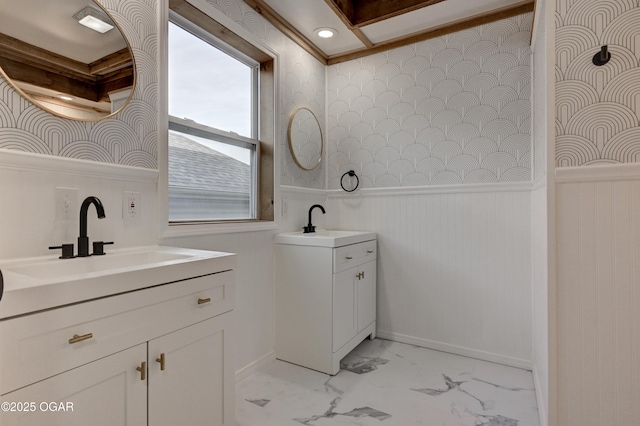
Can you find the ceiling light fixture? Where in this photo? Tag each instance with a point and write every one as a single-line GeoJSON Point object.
{"type": "Point", "coordinates": [326, 32]}
{"type": "Point", "coordinates": [65, 97]}
{"type": "Point", "coordinates": [94, 19]}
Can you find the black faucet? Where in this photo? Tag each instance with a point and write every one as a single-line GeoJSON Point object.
{"type": "Point", "coordinates": [310, 228]}
{"type": "Point", "coordinates": [83, 240]}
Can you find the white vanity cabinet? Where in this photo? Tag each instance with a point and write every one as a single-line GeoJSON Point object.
{"type": "Point", "coordinates": [154, 356]}
{"type": "Point", "coordinates": [325, 298]}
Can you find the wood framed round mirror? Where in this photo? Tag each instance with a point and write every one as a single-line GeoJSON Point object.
{"type": "Point", "coordinates": [305, 139]}
{"type": "Point", "coordinates": [61, 65]}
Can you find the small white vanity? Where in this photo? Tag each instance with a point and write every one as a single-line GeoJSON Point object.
{"type": "Point", "coordinates": [137, 337]}
{"type": "Point", "coordinates": [325, 296]}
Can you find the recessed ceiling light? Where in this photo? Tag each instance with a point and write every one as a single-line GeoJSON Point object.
{"type": "Point", "coordinates": [65, 97]}
{"type": "Point", "coordinates": [94, 19]}
{"type": "Point", "coordinates": [326, 32]}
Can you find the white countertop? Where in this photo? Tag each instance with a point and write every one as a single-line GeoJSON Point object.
{"type": "Point", "coordinates": [45, 282]}
{"type": "Point", "coordinates": [325, 238]}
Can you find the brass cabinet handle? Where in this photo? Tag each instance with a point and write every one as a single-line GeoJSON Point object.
{"type": "Point", "coordinates": [369, 251]}
{"type": "Point", "coordinates": [143, 370]}
{"type": "Point", "coordinates": [349, 257]}
{"type": "Point", "coordinates": [161, 361]}
{"type": "Point", "coordinates": [76, 338]}
{"type": "Point", "coordinates": [202, 301]}
{"type": "Point", "coordinates": [362, 274]}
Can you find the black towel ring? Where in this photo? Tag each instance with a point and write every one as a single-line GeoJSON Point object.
{"type": "Point", "coordinates": [352, 174]}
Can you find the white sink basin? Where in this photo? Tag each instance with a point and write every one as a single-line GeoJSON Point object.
{"type": "Point", "coordinates": [325, 238]}
{"type": "Point", "coordinates": [44, 282]}
{"type": "Point", "coordinates": [55, 269]}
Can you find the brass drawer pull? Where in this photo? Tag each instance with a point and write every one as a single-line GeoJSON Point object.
{"type": "Point", "coordinates": [76, 338]}
{"type": "Point", "coordinates": [349, 257]}
{"type": "Point", "coordinates": [143, 370]}
{"type": "Point", "coordinates": [202, 301]}
{"type": "Point", "coordinates": [369, 251]}
{"type": "Point", "coordinates": [161, 361]}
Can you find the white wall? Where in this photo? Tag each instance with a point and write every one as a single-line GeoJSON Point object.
{"type": "Point", "coordinates": [453, 266]}
{"type": "Point", "coordinates": [599, 296]}
{"type": "Point", "coordinates": [28, 224]}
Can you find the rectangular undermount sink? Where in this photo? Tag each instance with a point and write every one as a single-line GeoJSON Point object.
{"type": "Point", "coordinates": [325, 238]}
{"type": "Point", "coordinates": [63, 268]}
{"type": "Point", "coordinates": [33, 284]}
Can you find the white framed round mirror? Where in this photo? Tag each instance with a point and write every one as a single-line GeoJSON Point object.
{"type": "Point", "coordinates": [59, 64]}
{"type": "Point", "coordinates": [305, 139]}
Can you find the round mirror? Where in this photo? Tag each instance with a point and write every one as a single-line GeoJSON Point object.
{"type": "Point", "coordinates": [66, 56]}
{"type": "Point", "coordinates": [305, 139]}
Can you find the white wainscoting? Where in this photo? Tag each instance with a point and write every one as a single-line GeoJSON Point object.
{"type": "Point", "coordinates": [454, 265]}
{"type": "Point", "coordinates": [598, 295]}
{"type": "Point", "coordinates": [28, 224]}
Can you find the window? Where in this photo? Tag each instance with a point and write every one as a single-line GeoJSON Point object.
{"type": "Point", "coordinates": [214, 150]}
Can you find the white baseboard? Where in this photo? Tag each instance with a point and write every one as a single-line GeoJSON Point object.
{"type": "Point", "coordinates": [457, 350]}
{"type": "Point", "coordinates": [247, 370]}
{"type": "Point", "coordinates": [542, 405]}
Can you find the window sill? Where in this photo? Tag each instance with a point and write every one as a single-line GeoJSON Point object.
{"type": "Point", "coordinates": [198, 229]}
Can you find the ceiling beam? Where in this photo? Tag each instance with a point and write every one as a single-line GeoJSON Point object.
{"type": "Point", "coordinates": [365, 12]}
{"type": "Point", "coordinates": [460, 25]}
{"type": "Point", "coordinates": [279, 22]}
{"type": "Point", "coordinates": [344, 10]}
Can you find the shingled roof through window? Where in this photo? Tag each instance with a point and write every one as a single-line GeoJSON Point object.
{"type": "Point", "coordinates": [195, 166]}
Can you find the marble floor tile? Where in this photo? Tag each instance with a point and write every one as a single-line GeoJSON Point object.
{"type": "Point", "coordinates": [387, 383]}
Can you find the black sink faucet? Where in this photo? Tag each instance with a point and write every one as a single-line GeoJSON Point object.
{"type": "Point", "coordinates": [83, 240]}
{"type": "Point", "coordinates": [310, 228]}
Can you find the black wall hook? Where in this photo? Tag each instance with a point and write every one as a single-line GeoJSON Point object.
{"type": "Point", "coordinates": [602, 57]}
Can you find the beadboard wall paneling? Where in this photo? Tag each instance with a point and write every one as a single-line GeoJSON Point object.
{"type": "Point", "coordinates": [599, 303]}
{"type": "Point", "coordinates": [128, 138]}
{"type": "Point", "coordinates": [450, 110]}
{"type": "Point", "coordinates": [28, 223]}
{"type": "Point", "coordinates": [598, 108]}
{"type": "Point", "coordinates": [302, 82]}
{"type": "Point", "coordinates": [454, 270]}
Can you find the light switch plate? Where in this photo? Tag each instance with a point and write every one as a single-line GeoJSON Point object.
{"type": "Point", "coordinates": [66, 203]}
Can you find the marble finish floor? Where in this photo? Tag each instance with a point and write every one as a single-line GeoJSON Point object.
{"type": "Point", "coordinates": [386, 383]}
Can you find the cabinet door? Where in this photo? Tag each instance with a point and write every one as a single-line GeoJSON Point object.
{"type": "Point", "coordinates": [366, 295]}
{"type": "Point", "coordinates": [196, 386]}
{"type": "Point", "coordinates": [106, 392]}
{"type": "Point", "coordinates": [344, 307]}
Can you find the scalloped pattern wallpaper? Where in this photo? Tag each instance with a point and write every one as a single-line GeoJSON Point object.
{"type": "Point", "coordinates": [302, 83]}
{"type": "Point", "coordinates": [597, 108]}
{"type": "Point", "coordinates": [450, 110]}
{"type": "Point", "coordinates": [128, 138]}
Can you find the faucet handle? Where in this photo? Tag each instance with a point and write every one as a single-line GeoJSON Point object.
{"type": "Point", "coordinates": [98, 247]}
{"type": "Point", "coordinates": [67, 250]}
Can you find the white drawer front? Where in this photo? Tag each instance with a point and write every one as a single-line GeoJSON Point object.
{"type": "Point", "coordinates": [353, 255]}
{"type": "Point", "coordinates": [41, 345]}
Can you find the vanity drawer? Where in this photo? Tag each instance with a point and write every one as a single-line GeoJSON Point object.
{"type": "Point", "coordinates": [353, 255]}
{"type": "Point", "coordinates": [43, 344]}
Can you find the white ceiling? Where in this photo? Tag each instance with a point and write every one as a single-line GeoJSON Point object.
{"type": "Point", "coordinates": [49, 24]}
{"type": "Point", "coordinates": [307, 15]}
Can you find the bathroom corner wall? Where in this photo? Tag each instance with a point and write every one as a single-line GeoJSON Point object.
{"type": "Point", "coordinates": [598, 213]}
{"type": "Point", "coordinates": [40, 151]}
{"type": "Point", "coordinates": [439, 133]}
